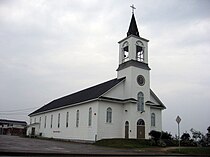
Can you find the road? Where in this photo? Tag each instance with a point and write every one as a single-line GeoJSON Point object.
{"type": "Point", "coordinates": [19, 146]}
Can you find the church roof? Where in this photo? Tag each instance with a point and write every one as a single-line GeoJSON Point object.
{"type": "Point", "coordinates": [133, 29]}
{"type": "Point", "coordinates": [81, 96]}
{"type": "Point", "coordinates": [157, 99]}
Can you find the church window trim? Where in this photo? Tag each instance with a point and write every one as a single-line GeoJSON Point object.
{"type": "Point", "coordinates": [51, 121]}
{"type": "Point", "coordinates": [59, 118]}
{"type": "Point", "coordinates": [125, 51]}
{"type": "Point", "coordinates": [90, 117]}
{"type": "Point", "coordinates": [67, 119]}
{"type": "Point", "coordinates": [140, 102]}
{"type": "Point", "coordinates": [77, 118]}
{"type": "Point", "coordinates": [153, 119]}
{"type": "Point", "coordinates": [140, 51]}
{"type": "Point", "coordinates": [109, 115]}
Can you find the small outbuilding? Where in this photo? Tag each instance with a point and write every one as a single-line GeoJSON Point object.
{"type": "Point", "coordinates": [12, 127]}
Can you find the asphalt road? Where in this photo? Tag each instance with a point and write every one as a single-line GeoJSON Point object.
{"type": "Point", "coordinates": [19, 146]}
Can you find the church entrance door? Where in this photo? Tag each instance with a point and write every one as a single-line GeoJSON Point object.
{"type": "Point", "coordinates": [140, 129]}
{"type": "Point", "coordinates": [33, 131]}
{"type": "Point", "coordinates": [126, 129]}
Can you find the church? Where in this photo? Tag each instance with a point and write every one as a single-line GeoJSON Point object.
{"type": "Point", "coordinates": [124, 107]}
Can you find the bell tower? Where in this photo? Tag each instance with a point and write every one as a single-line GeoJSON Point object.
{"type": "Point", "coordinates": [133, 47]}
{"type": "Point", "coordinates": [133, 61]}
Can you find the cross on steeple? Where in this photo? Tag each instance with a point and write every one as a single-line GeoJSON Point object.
{"type": "Point", "coordinates": [132, 6]}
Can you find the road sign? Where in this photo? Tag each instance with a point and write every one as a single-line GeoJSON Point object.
{"type": "Point", "coordinates": [178, 119]}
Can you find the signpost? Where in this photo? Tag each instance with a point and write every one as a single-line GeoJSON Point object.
{"type": "Point", "coordinates": [178, 120]}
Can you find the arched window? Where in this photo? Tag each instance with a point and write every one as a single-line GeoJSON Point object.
{"type": "Point", "coordinates": [51, 121]}
{"type": "Point", "coordinates": [77, 118]}
{"type": "Point", "coordinates": [90, 117]}
{"type": "Point", "coordinates": [67, 119]}
{"type": "Point", "coordinates": [140, 122]}
{"type": "Point", "coordinates": [153, 119]}
{"type": "Point", "coordinates": [125, 51]}
{"type": "Point", "coordinates": [139, 51]}
{"type": "Point", "coordinates": [45, 121]}
{"type": "Point", "coordinates": [140, 103]}
{"type": "Point", "coordinates": [109, 115]}
{"type": "Point", "coordinates": [40, 121]}
{"type": "Point", "coordinates": [59, 117]}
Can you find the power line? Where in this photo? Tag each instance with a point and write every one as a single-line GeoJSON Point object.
{"type": "Point", "coordinates": [16, 114]}
{"type": "Point", "coordinates": [19, 110]}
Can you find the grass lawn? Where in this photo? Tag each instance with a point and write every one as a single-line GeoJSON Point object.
{"type": "Point", "coordinates": [146, 146]}
{"type": "Point", "coordinates": [192, 150]}
{"type": "Point", "coordinates": [124, 143]}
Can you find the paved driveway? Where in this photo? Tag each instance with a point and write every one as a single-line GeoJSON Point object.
{"type": "Point", "coordinates": [32, 145]}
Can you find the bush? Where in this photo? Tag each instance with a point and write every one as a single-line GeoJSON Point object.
{"type": "Point", "coordinates": [166, 135]}
{"type": "Point", "coordinates": [155, 135]}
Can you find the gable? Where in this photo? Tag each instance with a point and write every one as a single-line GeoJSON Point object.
{"type": "Point", "coordinates": [116, 92]}
{"type": "Point", "coordinates": [155, 101]}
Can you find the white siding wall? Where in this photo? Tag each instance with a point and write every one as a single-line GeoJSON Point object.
{"type": "Point", "coordinates": [82, 132]}
{"type": "Point", "coordinates": [158, 119]}
{"type": "Point", "coordinates": [132, 116]}
{"type": "Point", "coordinates": [110, 130]}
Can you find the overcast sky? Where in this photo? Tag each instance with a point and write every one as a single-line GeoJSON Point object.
{"type": "Point", "coordinates": [52, 48]}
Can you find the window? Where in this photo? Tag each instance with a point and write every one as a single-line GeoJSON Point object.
{"type": "Point", "coordinates": [51, 121]}
{"type": "Point", "coordinates": [67, 119]}
{"type": "Point", "coordinates": [34, 120]}
{"type": "Point", "coordinates": [125, 52]}
{"type": "Point", "coordinates": [140, 103]}
{"type": "Point", "coordinates": [59, 117]}
{"type": "Point", "coordinates": [139, 51]}
{"type": "Point", "coordinates": [152, 119]}
{"type": "Point", "coordinates": [45, 121]}
{"type": "Point", "coordinates": [30, 120]}
{"type": "Point", "coordinates": [40, 120]}
{"type": "Point", "coordinates": [77, 118]}
{"type": "Point", "coordinates": [140, 122]}
{"type": "Point", "coordinates": [90, 117]}
{"type": "Point", "coordinates": [109, 115]}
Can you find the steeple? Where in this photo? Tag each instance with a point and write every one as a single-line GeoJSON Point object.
{"type": "Point", "coordinates": [133, 29]}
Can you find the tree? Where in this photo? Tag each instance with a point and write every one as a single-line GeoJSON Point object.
{"type": "Point", "coordinates": [208, 136]}
{"type": "Point", "coordinates": [199, 138]}
{"type": "Point", "coordinates": [186, 141]}
{"type": "Point", "coordinates": [185, 137]}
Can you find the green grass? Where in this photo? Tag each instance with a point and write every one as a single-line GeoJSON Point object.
{"type": "Point", "coordinates": [124, 143]}
{"type": "Point", "coordinates": [192, 150]}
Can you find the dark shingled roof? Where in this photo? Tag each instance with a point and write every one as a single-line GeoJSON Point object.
{"type": "Point", "coordinates": [133, 29]}
{"type": "Point", "coordinates": [81, 96]}
{"type": "Point", "coordinates": [157, 99]}
{"type": "Point", "coordinates": [133, 63]}
{"type": "Point", "coordinates": [17, 122]}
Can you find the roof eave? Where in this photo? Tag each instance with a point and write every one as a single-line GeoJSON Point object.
{"type": "Point", "coordinates": [131, 35]}
{"type": "Point", "coordinates": [63, 107]}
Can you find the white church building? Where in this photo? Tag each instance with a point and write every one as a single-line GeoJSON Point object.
{"type": "Point", "coordinates": [124, 107]}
